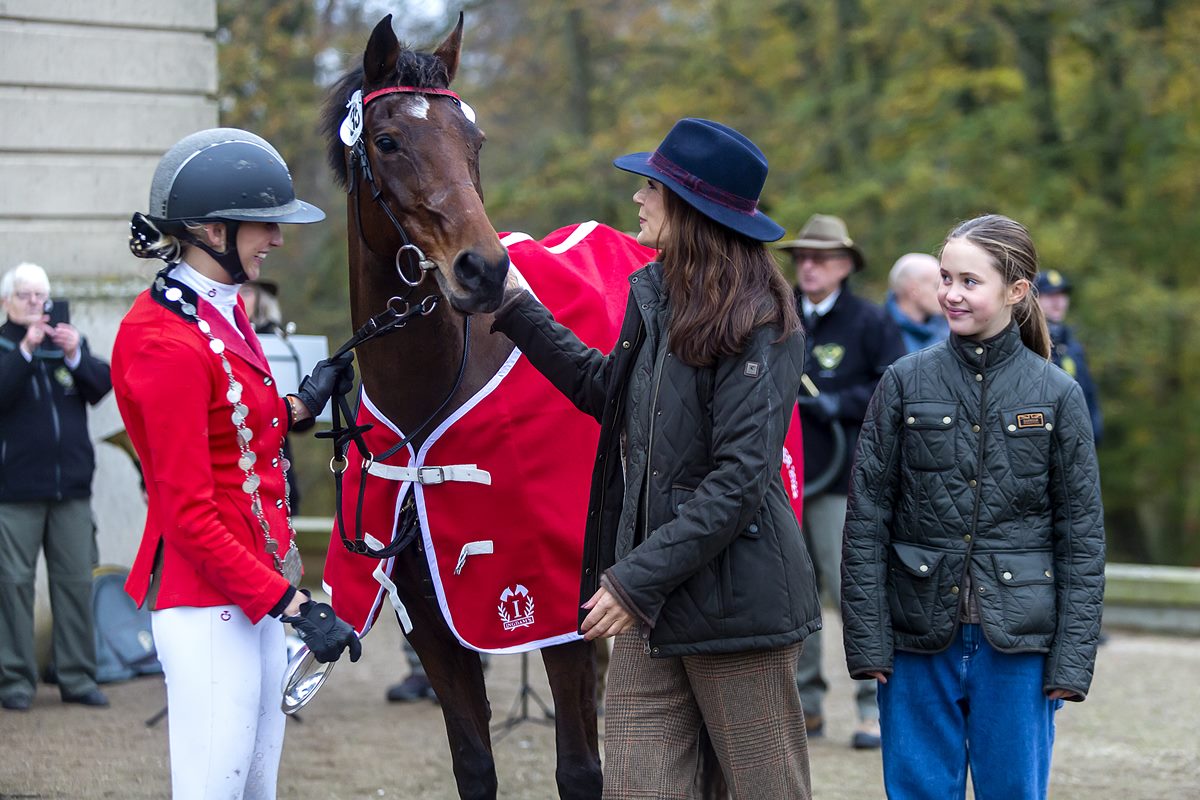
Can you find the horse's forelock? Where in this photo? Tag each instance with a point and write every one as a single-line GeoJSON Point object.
{"type": "Point", "coordinates": [412, 69]}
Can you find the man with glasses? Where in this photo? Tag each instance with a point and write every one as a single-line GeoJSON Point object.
{"type": "Point", "coordinates": [850, 343]}
{"type": "Point", "coordinates": [47, 379]}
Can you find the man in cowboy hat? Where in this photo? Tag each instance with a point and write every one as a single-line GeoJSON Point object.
{"type": "Point", "coordinates": [1054, 296]}
{"type": "Point", "coordinates": [850, 343]}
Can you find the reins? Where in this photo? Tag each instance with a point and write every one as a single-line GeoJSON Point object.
{"type": "Point", "coordinates": [390, 320]}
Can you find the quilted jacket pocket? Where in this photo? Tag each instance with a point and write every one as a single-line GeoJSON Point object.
{"type": "Point", "coordinates": [1027, 437]}
{"type": "Point", "coordinates": [913, 587]}
{"type": "Point", "coordinates": [929, 440]}
{"type": "Point", "coordinates": [1025, 582]}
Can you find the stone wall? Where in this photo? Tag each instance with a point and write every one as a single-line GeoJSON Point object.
{"type": "Point", "coordinates": [92, 92]}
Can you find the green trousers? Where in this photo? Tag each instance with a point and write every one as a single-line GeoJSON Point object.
{"type": "Point", "coordinates": [64, 530]}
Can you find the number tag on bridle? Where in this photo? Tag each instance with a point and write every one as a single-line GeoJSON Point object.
{"type": "Point", "coordinates": [352, 125]}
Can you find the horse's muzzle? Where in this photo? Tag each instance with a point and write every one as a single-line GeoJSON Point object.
{"type": "Point", "coordinates": [481, 282]}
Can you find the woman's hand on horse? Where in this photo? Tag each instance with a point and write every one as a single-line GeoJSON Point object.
{"type": "Point", "coordinates": [606, 616]}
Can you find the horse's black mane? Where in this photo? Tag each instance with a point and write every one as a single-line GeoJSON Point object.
{"type": "Point", "coordinates": [412, 69]}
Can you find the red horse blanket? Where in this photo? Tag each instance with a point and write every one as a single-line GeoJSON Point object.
{"type": "Point", "coordinates": [501, 487]}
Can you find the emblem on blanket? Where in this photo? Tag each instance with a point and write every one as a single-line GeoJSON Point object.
{"type": "Point", "coordinates": [516, 608]}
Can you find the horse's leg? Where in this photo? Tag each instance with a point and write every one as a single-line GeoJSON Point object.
{"type": "Point", "coordinates": [456, 676]}
{"type": "Point", "coordinates": [571, 670]}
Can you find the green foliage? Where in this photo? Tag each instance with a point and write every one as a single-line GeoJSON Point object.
{"type": "Point", "coordinates": [1080, 118]}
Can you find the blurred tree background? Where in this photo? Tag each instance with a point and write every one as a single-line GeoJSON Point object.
{"type": "Point", "coordinates": [1080, 118]}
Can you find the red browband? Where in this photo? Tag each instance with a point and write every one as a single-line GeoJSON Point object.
{"type": "Point", "coordinates": [408, 90]}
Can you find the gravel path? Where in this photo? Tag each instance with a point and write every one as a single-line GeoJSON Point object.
{"type": "Point", "coordinates": [1132, 739]}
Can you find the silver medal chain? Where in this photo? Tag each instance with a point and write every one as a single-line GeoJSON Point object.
{"type": "Point", "coordinates": [289, 565]}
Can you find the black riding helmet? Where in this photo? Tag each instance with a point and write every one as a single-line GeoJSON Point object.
{"type": "Point", "coordinates": [223, 175]}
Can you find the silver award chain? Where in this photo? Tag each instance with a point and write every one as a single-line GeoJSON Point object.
{"type": "Point", "coordinates": [290, 565]}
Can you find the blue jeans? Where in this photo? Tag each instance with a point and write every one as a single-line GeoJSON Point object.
{"type": "Point", "coordinates": [968, 706]}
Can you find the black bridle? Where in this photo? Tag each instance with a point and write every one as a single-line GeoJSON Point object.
{"type": "Point", "coordinates": [395, 316]}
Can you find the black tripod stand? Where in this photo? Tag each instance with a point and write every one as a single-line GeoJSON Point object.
{"type": "Point", "coordinates": [520, 708]}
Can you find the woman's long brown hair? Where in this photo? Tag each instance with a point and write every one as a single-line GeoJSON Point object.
{"type": "Point", "coordinates": [721, 284]}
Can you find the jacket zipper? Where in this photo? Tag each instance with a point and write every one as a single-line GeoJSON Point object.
{"type": "Point", "coordinates": [57, 429]}
{"type": "Point", "coordinates": [978, 476]}
{"type": "Point", "coordinates": [595, 555]}
{"type": "Point", "coordinates": [656, 383]}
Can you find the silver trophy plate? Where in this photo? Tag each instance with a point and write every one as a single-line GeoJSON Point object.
{"type": "Point", "coordinates": [303, 677]}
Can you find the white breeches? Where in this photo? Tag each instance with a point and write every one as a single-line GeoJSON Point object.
{"type": "Point", "coordinates": [223, 692]}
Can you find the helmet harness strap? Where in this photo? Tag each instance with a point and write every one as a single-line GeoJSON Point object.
{"type": "Point", "coordinates": [229, 259]}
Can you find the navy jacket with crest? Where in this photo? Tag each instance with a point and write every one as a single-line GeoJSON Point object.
{"type": "Point", "coordinates": [45, 452]}
{"type": "Point", "coordinates": [848, 350]}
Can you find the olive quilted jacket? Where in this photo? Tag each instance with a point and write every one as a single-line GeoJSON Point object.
{"type": "Point", "coordinates": [975, 471]}
{"type": "Point", "coordinates": [688, 518]}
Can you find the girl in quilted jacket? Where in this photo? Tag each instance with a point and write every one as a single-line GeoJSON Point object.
{"type": "Point", "coordinates": [973, 565]}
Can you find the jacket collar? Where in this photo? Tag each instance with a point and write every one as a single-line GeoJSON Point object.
{"type": "Point", "coordinates": [990, 352]}
{"type": "Point", "coordinates": [648, 287]}
{"type": "Point", "coordinates": [926, 332]}
{"type": "Point", "coordinates": [182, 301]}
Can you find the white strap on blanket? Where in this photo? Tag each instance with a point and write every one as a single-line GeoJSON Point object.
{"type": "Point", "coordinates": [427, 476]}
{"type": "Point", "coordinates": [480, 548]}
{"type": "Point", "coordinates": [386, 582]}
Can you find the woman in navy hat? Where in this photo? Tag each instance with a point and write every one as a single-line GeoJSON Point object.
{"type": "Point", "coordinates": [693, 559]}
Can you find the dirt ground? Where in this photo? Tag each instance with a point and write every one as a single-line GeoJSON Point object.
{"type": "Point", "coordinates": [1136, 736]}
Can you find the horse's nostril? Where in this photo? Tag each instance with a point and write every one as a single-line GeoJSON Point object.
{"type": "Point", "coordinates": [476, 274]}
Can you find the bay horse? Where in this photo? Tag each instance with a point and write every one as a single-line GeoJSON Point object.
{"type": "Point", "coordinates": [415, 205]}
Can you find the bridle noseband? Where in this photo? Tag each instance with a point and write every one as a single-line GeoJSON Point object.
{"type": "Point", "coordinates": [395, 316]}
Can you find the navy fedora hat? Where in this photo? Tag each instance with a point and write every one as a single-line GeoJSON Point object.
{"type": "Point", "coordinates": [715, 170]}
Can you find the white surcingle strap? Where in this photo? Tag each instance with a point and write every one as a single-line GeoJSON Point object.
{"type": "Point", "coordinates": [480, 548]}
{"type": "Point", "coordinates": [386, 582]}
{"type": "Point", "coordinates": [428, 476]}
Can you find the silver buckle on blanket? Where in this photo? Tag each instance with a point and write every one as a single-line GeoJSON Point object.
{"type": "Point", "coordinates": [431, 476]}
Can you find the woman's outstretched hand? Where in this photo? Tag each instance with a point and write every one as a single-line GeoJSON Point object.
{"type": "Point", "coordinates": [606, 617]}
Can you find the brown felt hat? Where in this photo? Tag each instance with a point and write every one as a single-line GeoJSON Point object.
{"type": "Point", "coordinates": [825, 232]}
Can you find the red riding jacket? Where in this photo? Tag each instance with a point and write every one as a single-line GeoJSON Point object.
{"type": "Point", "coordinates": [172, 391]}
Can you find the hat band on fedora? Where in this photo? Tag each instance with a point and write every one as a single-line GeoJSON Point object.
{"type": "Point", "coordinates": [700, 186]}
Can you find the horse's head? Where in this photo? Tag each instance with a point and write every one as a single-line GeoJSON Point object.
{"type": "Point", "coordinates": [422, 151]}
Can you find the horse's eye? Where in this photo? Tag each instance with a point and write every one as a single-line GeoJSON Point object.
{"type": "Point", "coordinates": [387, 144]}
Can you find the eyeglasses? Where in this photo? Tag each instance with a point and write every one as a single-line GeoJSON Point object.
{"type": "Point", "coordinates": [818, 256]}
{"type": "Point", "coordinates": [25, 297]}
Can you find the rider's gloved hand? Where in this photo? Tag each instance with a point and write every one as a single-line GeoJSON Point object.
{"type": "Point", "coordinates": [823, 407]}
{"type": "Point", "coordinates": [328, 376]}
{"type": "Point", "coordinates": [325, 634]}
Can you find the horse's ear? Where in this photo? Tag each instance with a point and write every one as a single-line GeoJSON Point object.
{"type": "Point", "coordinates": [383, 49]}
{"type": "Point", "coordinates": [449, 50]}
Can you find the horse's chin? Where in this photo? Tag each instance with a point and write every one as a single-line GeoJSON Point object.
{"type": "Point", "coordinates": [482, 302]}
{"type": "Point", "coordinates": [470, 304]}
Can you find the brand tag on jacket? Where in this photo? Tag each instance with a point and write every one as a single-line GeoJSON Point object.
{"type": "Point", "coordinates": [1032, 419]}
{"type": "Point", "coordinates": [752, 370]}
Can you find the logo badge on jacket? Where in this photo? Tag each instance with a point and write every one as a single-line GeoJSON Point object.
{"type": "Point", "coordinates": [1032, 419]}
{"type": "Point", "coordinates": [64, 378]}
{"type": "Point", "coordinates": [829, 355]}
{"type": "Point", "coordinates": [516, 607]}
{"type": "Point", "coordinates": [752, 370]}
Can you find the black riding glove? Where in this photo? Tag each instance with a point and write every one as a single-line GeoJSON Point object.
{"type": "Point", "coordinates": [325, 634]}
{"type": "Point", "coordinates": [823, 407]}
{"type": "Point", "coordinates": [328, 376]}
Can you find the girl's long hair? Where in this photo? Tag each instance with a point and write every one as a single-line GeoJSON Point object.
{"type": "Point", "coordinates": [1014, 256]}
{"type": "Point", "coordinates": [721, 284]}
